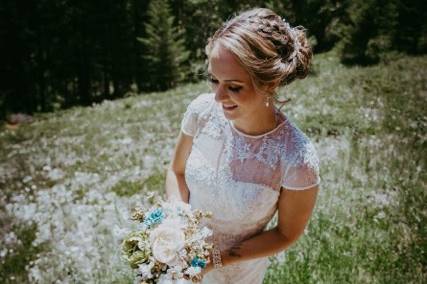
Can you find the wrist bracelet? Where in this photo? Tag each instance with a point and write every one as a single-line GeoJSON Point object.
{"type": "Point", "coordinates": [216, 257]}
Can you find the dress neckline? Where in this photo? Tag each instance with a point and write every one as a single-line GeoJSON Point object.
{"type": "Point", "coordinates": [279, 116]}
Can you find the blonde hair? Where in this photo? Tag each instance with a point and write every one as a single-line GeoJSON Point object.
{"type": "Point", "coordinates": [271, 51]}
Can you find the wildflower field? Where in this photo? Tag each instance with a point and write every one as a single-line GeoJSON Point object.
{"type": "Point", "coordinates": [69, 180]}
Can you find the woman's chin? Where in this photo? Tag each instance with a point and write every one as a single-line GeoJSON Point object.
{"type": "Point", "coordinates": [230, 114]}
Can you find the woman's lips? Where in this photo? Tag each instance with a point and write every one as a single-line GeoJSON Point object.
{"type": "Point", "coordinates": [229, 107]}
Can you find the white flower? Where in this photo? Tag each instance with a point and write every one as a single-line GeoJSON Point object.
{"type": "Point", "coordinates": [200, 236]}
{"type": "Point", "coordinates": [166, 241]}
{"type": "Point", "coordinates": [3, 252]}
{"type": "Point", "coordinates": [174, 222]}
{"type": "Point", "coordinates": [193, 271]}
{"type": "Point", "coordinates": [175, 272]}
{"type": "Point", "coordinates": [145, 270]}
{"type": "Point", "coordinates": [10, 238]}
{"type": "Point", "coordinates": [177, 207]}
{"type": "Point", "coordinates": [55, 174]}
{"type": "Point", "coordinates": [27, 179]}
{"type": "Point", "coordinates": [165, 279]}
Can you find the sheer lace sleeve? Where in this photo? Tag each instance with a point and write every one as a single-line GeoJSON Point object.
{"type": "Point", "coordinates": [302, 168]}
{"type": "Point", "coordinates": [190, 121]}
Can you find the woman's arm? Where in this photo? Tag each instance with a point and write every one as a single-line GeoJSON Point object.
{"type": "Point", "coordinates": [176, 187]}
{"type": "Point", "coordinates": [295, 208]}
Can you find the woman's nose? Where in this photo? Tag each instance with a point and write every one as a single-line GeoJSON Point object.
{"type": "Point", "coordinates": [220, 94]}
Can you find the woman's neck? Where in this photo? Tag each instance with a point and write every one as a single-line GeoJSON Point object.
{"type": "Point", "coordinates": [257, 124]}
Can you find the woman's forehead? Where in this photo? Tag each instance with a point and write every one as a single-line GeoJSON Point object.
{"type": "Point", "coordinates": [224, 65]}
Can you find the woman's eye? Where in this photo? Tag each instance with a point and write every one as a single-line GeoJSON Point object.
{"type": "Point", "coordinates": [213, 81]}
{"type": "Point", "coordinates": [235, 89]}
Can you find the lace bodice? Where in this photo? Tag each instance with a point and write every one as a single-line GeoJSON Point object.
{"type": "Point", "coordinates": [239, 177]}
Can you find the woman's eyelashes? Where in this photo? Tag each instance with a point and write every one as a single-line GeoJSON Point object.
{"type": "Point", "coordinates": [235, 89]}
{"type": "Point", "coordinates": [212, 80]}
{"type": "Point", "coordinates": [231, 88]}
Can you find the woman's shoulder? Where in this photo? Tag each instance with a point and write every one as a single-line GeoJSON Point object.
{"type": "Point", "coordinates": [295, 135]}
{"type": "Point", "coordinates": [297, 145]}
{"type": "Point", "coordinates": [300, 160]}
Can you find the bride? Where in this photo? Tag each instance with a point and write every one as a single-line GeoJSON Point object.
{"type": "Point", "coordinates": [240, 157]}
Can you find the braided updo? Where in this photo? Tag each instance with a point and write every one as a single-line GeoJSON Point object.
{"type": "Point", "coordinates": [270, 50]}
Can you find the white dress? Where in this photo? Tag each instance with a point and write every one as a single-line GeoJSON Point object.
{"type": "Point", "coordinates": [238, 178]}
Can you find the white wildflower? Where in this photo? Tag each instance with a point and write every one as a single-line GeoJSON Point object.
{"type": "Point", "coordinates": [145, 270]}
{"type": "Point", "coordinates": [55, 174]}
{"type": "Point", "coordinates": [3, 252]}
{"type": "Point", "coordinates": [27, 179]}
{"type": "Point", "coordinates": [382, 199]}
{"type": "Point", "coordinates": [10, 238]}
{"type": "Point", "coordinates": [47, 168]}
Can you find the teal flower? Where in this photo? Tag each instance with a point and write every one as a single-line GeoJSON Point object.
{"type": "Point", "coordinates": [198, 262]}
{"type": "Point", "coordinates": [154, 217]}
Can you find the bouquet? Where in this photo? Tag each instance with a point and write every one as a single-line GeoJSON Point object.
{"type": "Point", "coordinates": [170, 244]}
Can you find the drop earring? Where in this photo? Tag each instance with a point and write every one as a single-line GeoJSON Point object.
{"type": "Point", "coordinates": [267, 101]}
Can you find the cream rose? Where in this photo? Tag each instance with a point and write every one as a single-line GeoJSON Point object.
{"type": "Point", "coordinates": [166, 241]}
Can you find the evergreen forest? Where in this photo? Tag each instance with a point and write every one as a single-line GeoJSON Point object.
{"type": "Point", "coordinates": [58, 54]}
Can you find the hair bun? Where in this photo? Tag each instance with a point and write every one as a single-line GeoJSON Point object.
{"type": "Point", "coordinates": [290, 37]}
{"type": "Point", "coordinates": [298, 60]}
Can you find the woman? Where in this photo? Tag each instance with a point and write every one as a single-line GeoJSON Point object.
{"type": "Point", "coordinates": [240, 157]}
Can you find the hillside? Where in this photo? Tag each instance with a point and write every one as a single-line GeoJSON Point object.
{"type": "Point", "coordinates": [69, 179]}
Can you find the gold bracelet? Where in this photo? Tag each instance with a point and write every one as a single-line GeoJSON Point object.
{"type": "Point", "coordinates": [216, 256]}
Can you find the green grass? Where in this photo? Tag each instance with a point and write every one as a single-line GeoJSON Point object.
{"type": "Point", "coordinates": [154, 182]}
{"type": "Point", "coordinates": [13, 266]}
{"type": "Point", "coordinates": [368, 125]}
{"type": "Point", "coordinates": [353, 239]}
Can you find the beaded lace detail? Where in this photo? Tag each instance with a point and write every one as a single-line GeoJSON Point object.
{"type": "Point", "coordinates": [239, 178]}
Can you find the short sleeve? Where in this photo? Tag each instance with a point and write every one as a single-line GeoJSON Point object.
{"type": "Point", "coordinates": [302, 169]}
{"type": "Point", "coordinates": [191, 118]}
{"type": "Point", "coordinates": [189, 122]}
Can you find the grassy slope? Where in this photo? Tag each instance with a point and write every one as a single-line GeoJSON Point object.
{"type": "Point", "coordinates": [370, 131]}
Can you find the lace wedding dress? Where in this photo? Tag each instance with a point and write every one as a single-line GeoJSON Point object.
{"type": "Point", "coordinates": [238, 178]}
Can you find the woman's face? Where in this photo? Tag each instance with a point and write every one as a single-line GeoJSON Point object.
{"type": "Point", "coordinates": [233, 86]}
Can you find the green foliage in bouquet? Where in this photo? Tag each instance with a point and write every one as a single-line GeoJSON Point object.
{"type": "Point", "coordinates": [136, 249]}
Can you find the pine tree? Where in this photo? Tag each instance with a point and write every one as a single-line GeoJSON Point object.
{"type": "Point", "coordinates": [164, 45]}
{"type": "Point", "coordinates": [369, 31]}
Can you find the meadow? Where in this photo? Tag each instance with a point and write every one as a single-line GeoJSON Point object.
{"type": "Point", "coordinates": [69, 180]}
